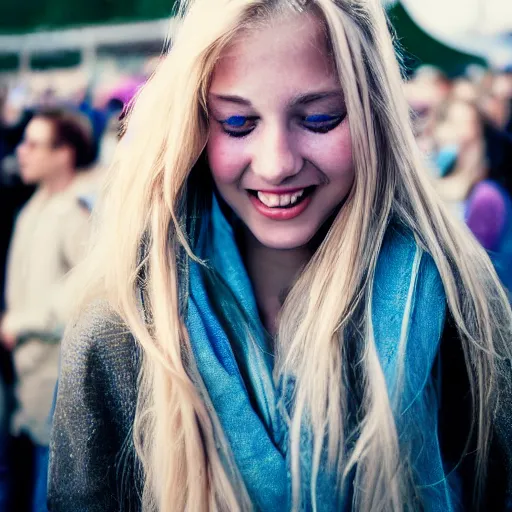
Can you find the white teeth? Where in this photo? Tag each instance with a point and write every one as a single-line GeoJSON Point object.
{"type": "Point", "coordinates": [263, 198]}
{"type": "Point", "coordinates": [284, 200]}
{"type": "Point", "coordinates": [296, 196]}
{"type": "Point", "coordinates": [273, 200]}
{"type": "Point", "coordinates": [270, 200]}
{"type": "Point", "coordinates": [279, 200]}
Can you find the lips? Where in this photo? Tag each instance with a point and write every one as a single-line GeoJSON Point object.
{"type": "Point", "coordinates": [281, 205]}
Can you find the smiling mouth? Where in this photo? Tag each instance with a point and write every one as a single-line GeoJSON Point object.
{"type": "Point", "coordinates": [283, 201]}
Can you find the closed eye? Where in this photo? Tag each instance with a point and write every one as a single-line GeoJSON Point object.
{"type": "Point", "coordinates": [322, 123]}
{"type": "Point", "coordinates": [238, 126]}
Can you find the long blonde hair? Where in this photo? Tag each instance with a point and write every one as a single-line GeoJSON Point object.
{"type": "Point", "coordinates": [143, 243]}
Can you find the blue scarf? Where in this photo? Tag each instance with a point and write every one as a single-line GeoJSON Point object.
{"type": "Point", "coordinates": [408, 303]}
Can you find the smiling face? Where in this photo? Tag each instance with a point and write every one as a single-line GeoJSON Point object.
{"type": "Point", "coordinates": [279, 147]}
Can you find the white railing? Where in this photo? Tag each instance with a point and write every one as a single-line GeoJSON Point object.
{"type": "Point", "coordinates": [84, 39]}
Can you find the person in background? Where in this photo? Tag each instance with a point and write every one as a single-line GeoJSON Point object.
{"type": "Point", "coordinates": [91, 184]}
{"type": "Point", "coordinates": [49, 239]}
{"type": "Point", "coordinates": [13, 195]}
{"type": "Point", "coordinates": [478, 185]}
{"type": "Point", "coordinates": [14, 117]}
{"type": "Point", "coordinates": [425, 92]}
{"type": "Point", "coordinates": [502, 89]}
{"type": "Point", "coordinates": [496, 109]}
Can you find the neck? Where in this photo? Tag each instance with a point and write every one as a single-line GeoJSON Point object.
{"type": "Point", "coordinates": [58, 182]}
{"type": "Point", "coordinates": [272, 273]}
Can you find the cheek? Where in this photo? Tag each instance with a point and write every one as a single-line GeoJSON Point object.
{"type": "Point", "coordinates": [332, 154]}
{"type": "Point", "coordinates": [339, 162]}
{"type": "Point", "coordinates": [227, 157]}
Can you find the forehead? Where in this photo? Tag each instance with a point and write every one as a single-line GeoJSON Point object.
{"type": "Point", "coordinates": [40, 129]}
{"type": "Point", "coordinates": [291, 49]}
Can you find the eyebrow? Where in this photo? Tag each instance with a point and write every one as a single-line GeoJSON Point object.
{"type": "Point", "coordinates": [301, 99]}
{"type": "Point", "coordinates": [304, 99]}
{"type": "Point", "coordinates": [229, 98]}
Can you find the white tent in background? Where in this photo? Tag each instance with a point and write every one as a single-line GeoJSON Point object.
{"type": "Point", "coordinates": [480, 27]}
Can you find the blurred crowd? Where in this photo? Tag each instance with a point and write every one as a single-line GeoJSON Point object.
{"type": "Point", "coordinates": [464, 128]}
{"type": "Point", "coordinates": [54, 148]}
{"type": "Point", "coordinates": [55, 145]}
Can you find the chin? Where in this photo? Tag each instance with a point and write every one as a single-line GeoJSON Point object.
{"type": "Point", "coordinates": [27, 178]}
{"type": "Point", "coordinates": [282, 239]}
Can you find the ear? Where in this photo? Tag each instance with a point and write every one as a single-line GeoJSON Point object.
{"type": "Point", "coordinates": [66, 156]}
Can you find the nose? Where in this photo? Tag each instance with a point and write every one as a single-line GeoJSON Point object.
{"type": "Point", "coordinates": [276, 157]}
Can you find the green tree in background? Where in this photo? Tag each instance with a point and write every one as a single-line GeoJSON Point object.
{"type": "Point", "coordinates": [28, 15]}
{"type": "Point", "coordinates": [418, 47]}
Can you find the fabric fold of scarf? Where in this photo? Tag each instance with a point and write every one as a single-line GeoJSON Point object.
{"type": "Point", "coordinates": [408, 313]}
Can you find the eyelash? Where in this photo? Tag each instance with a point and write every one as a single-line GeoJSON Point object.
{"type": "Point", "coordinates": [323, 125]}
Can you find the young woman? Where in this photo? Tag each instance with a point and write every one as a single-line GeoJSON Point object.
{"type": "Point", "coordinates": [279, 313]}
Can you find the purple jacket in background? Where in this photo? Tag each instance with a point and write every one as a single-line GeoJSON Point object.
{"type": "Point", "coordinates": [489, 216]}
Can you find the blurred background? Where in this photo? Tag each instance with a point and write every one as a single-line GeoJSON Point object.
{"type": "Point", "coordinates": [89, 57]}
{"type": "Point", "coordinates": [93, 55]}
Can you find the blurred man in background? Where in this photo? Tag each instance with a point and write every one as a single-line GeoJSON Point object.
{"type": "Point", "coordinates": [49, 239]}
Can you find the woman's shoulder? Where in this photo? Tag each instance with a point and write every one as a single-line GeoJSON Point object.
{"type": "Point", "coordinates": [94, 414]}
{"type": "Point", "coordinates": [98, 331]}
{"type": "Point", "coordinates": [99, 351]}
